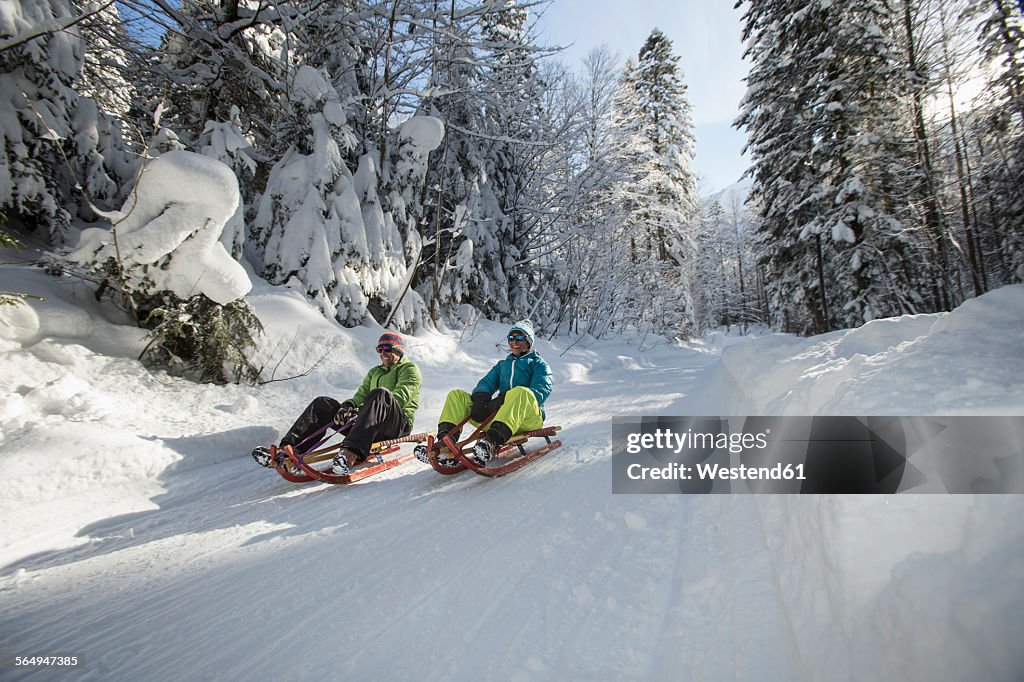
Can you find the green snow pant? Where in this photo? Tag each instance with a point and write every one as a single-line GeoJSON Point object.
{"type": "Point", "coordinates": [520, 411]}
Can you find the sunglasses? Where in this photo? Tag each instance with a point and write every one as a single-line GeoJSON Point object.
{"type": "Point", "coordinates": [385, 349]}
{"type": "Point", "coordinates": [516, 337]}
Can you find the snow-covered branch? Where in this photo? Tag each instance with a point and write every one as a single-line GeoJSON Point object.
{"type": "Point", "coordinates": [53, 26]}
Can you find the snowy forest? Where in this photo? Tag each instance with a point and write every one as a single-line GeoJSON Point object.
{"type": "Point", "coordinates": [414, 162]}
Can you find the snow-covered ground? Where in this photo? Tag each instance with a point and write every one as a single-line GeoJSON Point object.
{"type": "Point", "coordinates": [139, 535]}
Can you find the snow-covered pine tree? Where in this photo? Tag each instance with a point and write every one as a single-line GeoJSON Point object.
{"type": "Point", "coordinates": [59, 152]}
{"type": "Point", "coordinates": [520, 141]}
{"type": "Point", "coordinates": [102, 157]}
{"type": "Point", "coordinates": [822, 124]}
{"type": "Point", "coordinates": [406, 172]}
{"type": "Point", "coordinates": [107, 70]}
{"type": "Point", "coordinates": [310, 214]}
{"type": "Point", "coordinates": [341, 38]}
{"type": "Point", "coordinates": [497, 240]}
{"type": "Point", "coordinates": [1000, 137]}
{"type": "Point", "coordinates": [394, 48]}
{"type": "Point", "coordinates": [480, 219]}
{"type": "Point", "coordinates": [225, 55]}
{"type": "Point", "coordinates": [655, 145]}
{"type": "Point", "coordinates": [770, 112]}
{"type": "Point", "coordinates": [456, 179]}
{"type": "Point", "coordinates": [324, 227]}
{"type": "Point", "coordinates": [225, 142]}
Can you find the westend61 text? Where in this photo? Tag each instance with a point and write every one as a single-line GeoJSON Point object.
{"type": "Point", "coordinates": [710, 472]}
{"type": "Point", "coordinates": [666, 439]}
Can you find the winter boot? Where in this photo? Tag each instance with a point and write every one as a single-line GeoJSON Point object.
{"type": "Point", "coordinates": [443, 429]}
{"type": "Point", "coordinates": [483, 451]}
{"type": "Point", "coordinates": [263, 456]}
{"type": "Point", "coordinates": [487, 447]}
{"type": "Point", "coordinates": [343, 462]}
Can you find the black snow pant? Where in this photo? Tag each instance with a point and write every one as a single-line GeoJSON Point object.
{"type": "Point", "coordinates": [380, 418]}
{"type": "Point", "coordinates": [317, 414]}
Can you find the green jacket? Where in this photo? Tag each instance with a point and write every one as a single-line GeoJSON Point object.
{"type": "Point", "coordinates": [403, 379]}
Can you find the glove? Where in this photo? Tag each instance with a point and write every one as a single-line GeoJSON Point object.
{"type": "Point", "coordinates": [481, 403]}
{"type": "Point", "coordinates": [346, 413]}
{"type": "Point", "coordinates": [495, 404]}
{"type": "Point", "coordinates": [484, 406]}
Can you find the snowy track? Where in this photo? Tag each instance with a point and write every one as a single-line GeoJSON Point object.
{"type": "Point", "coordinates": [163, 553]}
{"type": "Point", "coordinates": [542, 574]}
{"type": "Point", "coordinates": [551, 577]}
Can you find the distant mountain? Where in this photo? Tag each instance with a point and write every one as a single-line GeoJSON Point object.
{"type": "Point", "coordinates": [740, 190]}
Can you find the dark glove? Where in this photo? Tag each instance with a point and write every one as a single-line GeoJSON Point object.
{"type": "Point", "coordinates": [481, 403]}
{"type": "Point", "coordinates": [495, 404]}
{"type": "Point", "coordinates": [346, 413]}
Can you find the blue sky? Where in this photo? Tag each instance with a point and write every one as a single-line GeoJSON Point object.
{"type": "Point", "coordinates": [706, 37]}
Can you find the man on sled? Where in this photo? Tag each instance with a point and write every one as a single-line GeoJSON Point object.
{"type": "Point", "coordinates": [382, 408]}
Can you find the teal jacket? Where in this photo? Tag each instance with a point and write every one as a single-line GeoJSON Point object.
{"type": "Point", "coordinates": [527, 370]}
{"type": "Point", "coordinates": [403, 379]}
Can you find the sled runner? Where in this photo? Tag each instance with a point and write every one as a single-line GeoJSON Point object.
{"type": "Point", "coordinates": [285, 466]}
{"type": "Point", "coordinates": [380, 459]}
{"type": "Point", "coordinates": [449, 457]}
{"type": "Point", "coordinates": [298, 468]}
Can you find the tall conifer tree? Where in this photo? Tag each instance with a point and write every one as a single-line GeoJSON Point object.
{"type": "Point", "coordinates": [655, 147]}
{"type": "Point", "coordinates": [822, 121]}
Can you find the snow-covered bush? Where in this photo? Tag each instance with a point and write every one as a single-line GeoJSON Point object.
{"type": "Point", "coordinates": [165, 255]}
{"type": "Point", "coordinates": [7, 297]}
{"type": "Point", "coordinates": [198, 338]}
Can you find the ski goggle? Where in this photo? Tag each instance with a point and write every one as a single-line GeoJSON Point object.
{"type": "Point", "coordinates": [516, 337]}
{"type": "Point", "coordinates": [385, 349]}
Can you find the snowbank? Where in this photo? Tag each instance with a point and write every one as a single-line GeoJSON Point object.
{"type": "Point", "coordinates": [902, 587]}
{"type": "Point", "coordinates": [968, 361]}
